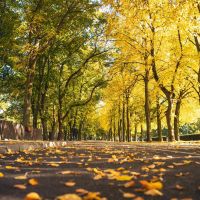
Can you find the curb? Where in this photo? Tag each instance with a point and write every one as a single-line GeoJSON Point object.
{"type": "Point", "coordinates": [6, 147]}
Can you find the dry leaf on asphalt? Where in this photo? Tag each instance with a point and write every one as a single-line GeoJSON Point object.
{"type": "Point", "coordinates": [151, 185]}
{"type": "Point", "coordinates": [128, 195]}
{"type": "Point", "coordinates": [33, 181]}
{"type": "Point", "coordinates": [70, 184]}
{"type": "Point", "coordinates": [20, 186]}
{"type": "Point", "coordinates": [153, 192]}
{"type": "Point", "coordinates": [1, 175]}
{"type": "Point", "coordinates": [82, 191]}
{"type": "Point", "coordinates": [20, 177]}
{"type": "Point", "coordinates": [69, 197]}
{"type": "Point", "coordinates": [123, 178]}
{"type": "Point", "coordinates": [179, 187]}
{"type": "Point", "coordinates": [66, 172]}
{"type": "Point", "coordinates": [129, 184]}
{"type": "Point", "coordinates": [92, 196]}
{"type": "Point", "coordinates": [33, 196]}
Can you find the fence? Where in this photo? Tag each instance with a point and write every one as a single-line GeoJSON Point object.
{"type": "Point", "coordinates": [11, 130]}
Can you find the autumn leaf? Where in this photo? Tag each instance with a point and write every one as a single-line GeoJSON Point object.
{"type": "Point", "coordinates": [92, 196]}
{"type": "Point", "coordinates": [69, 197]}
{"type": "Point", "coordinates": [70, 184]}
{"type": "Point", "coordinates": [129, 184]}
{"type": "Point", "coordinates": [33, 182]}
{"type": "Point", "coordinates": [66, 172]}
{"type": "Point", "coordinates": [139, 198]}
{"type": "Point", "coordinates": [11, 167]}
{"type": "Point", "coordinates": [153, 192]}
{"type": "Point", "coordinates": [54, 164]}
{"type": "Point", "coordinates": [123, 178]}
{"type": "Point", "coordinates": [23, 177]}
{"type": "Point", "coordinates": [151, 166]}
{"type": "Point", "coordinates": [81, 191]}
{"type": "Point", "coordinates": [128, 195]}
{"type": "Point", "coordinates": [1, 175]}
{"type": "Point", "coordinates": [179, 187]}
{"type": "Point", "coordinates": [151, 185]}
{"type": "Point", "coordinates": [20, 186]}
{"type": "Point", "coordinates": [97, 177]}
{"type": "Point", "coordinates": [33, 196]}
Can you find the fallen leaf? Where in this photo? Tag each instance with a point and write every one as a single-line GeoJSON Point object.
{"type": "Point", "coordinates": [128, 195]}
{"type": "Point", "coordinates": [139, 198]}
{"type": "Point", "coordinates": [151, 166]}
{"type": "Point", "coordinates": [123, 178]}
{"type": "Point", "coordinates": [179, 187]}
{"type": "Point", "coordinates": [54, 164]}
{"type": "Point", "coordinates": [33, 181]}
{"type": "Point", "coordinates": [33, 196]}
{"type": "Point", "coordinates": [97, 177]}
{"type": "Point", "coordinates": [152, 185]}
{"type": "Point", "coordinates": [1, 175]}
{"type": "Point", "coordinates": [153, 192]}
{"type": "Point", "coordinates": [69, 197]}
{"type": "Point", "coordinates": [11, 167]}
{"type": "Point", "coordinates": [92, 196]}
{"type": "Point", "coordinates": [129, 184]}
{"type": "Point", "coordinates": [20, 186]}
{"type": "Point", "coordinates": [66, 172]}
{"type": "Point", "coordinates": [162, 170]}
{"type": "Point", "coordinates": [81, 191]}
{"type": "Point", "coordinates": [70, 184]}
{"type": "Point", "coordinates": [20, 177]}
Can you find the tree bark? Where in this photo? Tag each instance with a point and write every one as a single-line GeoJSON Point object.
{"type": "Point", "coordinates": [127, 118]}
{"type": "Point", "coordinates": [168, 119]}
{"type": "Point", "coordinates": [135, 138]}
{"type": "Point", "coordinates": [176, 120]}
{"type": "Point", "coordinates": [28, 94]}
{"type": "Point", "coordinates": [123, 122]}
{"type": "Point", "coordinates": [159, 127]}
{"type": "Point", "coordinates": [142, 132]}
{"type": "Point", "coordinates": [119, 123]}
{"type": "Point", "coordinates": [147, 106]}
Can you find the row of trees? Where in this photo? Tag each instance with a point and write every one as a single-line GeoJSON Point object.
{"type": "Point", "coordinates": [157, 67]}
{"type": "Point", "coordinates": [52, 63]}
{"type": "Point", "coordinates": [56, 58]}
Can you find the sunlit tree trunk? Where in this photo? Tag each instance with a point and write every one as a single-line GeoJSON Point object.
{"type": "Point", "coordinates": [176, 120]}
{"type": "Point", "coordinates": [142, 132]}
{"type": "Point", "coordinates": [159, 126]}
{"type": "Point", "coordinates": [135, 137]}
{"type": "Point", "coordinates": [127, 118]}
{"type": "Point", "coordinates": [147, 106]}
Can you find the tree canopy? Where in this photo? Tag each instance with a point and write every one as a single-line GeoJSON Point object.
{"type": "Point", "coordinates": [123, 70]}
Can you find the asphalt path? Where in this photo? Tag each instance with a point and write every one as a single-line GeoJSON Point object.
{"type": "Point", "coordinates": [105, 170]}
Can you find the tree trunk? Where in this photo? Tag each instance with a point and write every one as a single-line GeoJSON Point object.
{"type": "Point", "coordinates": [60, 125]}
{"type": "Point", "coordinates": [135, 138]}
{"type": "Point", "coordinates": [142, 132]}
{"type": "Point", "coordinates": [119, 123]}
{"type": "Point", "coordinates": [176, 120]}
{"type": "Point", "coordinates": [147, 106]}
{"type": "Point", "coordinates": [53, 126]}
{"type": "Point", "coordinates": [159, 127]}
{"type": "Point", "coordinates": [114, 128]}
{"type": "Point", "coordinates": [28, 94]}
{"type": "Point", "coordinates": [168, 119]}
{"type": "Point", "coordinates": [127, 118]}
{"type": "Point", "coordinates": [123, 122]}
{"type": "Point", "coordinates": [44, 128]}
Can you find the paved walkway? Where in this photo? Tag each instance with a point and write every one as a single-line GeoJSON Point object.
{"type": "Point", "coordinates": [103, 170]}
